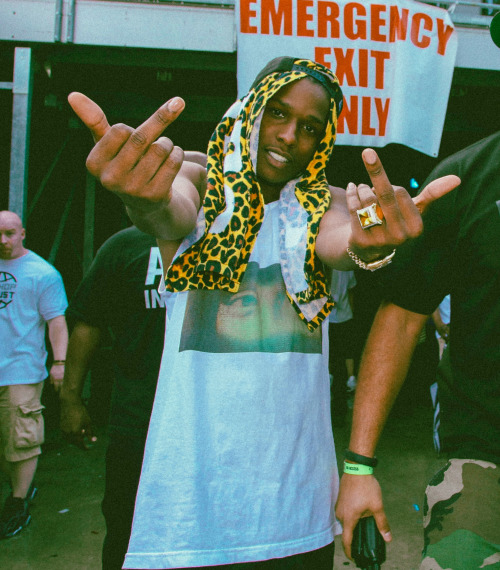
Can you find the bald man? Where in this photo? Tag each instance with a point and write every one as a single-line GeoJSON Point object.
{"type": "Point", "coordinates": [32, 296]}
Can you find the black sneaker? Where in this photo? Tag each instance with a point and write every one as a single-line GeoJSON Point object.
{"type": "Point", "coordinates": [14, 517]}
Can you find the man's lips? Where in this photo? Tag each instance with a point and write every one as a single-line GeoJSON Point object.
{"type": "Point", "coordinates": [279, 156]}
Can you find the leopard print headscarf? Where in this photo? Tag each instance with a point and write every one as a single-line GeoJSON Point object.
{"type": "Point", "coordinates": [215, 255]}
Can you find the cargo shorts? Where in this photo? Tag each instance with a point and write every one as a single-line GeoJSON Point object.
{"type": "Point", "coordinates": [462, 517]}
{"type": "Point", "coordinates": [21, 421]}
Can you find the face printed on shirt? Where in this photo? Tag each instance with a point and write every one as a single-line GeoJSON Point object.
{"type": "Point", "coordinates": [259, 318]}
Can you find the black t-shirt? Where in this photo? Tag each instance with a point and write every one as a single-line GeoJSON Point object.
{"type": "Point", "coordinates": [120, 294]}
{"type": "Point", "coordinates": [459, 253]}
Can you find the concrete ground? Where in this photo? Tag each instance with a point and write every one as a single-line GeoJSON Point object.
{"type": "Point", "coordinates": [67, 527]}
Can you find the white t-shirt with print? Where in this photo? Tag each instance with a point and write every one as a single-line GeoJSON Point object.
{"type": "Point", "coordinates": [240, 463]}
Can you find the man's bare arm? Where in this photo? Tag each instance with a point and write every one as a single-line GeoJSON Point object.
{"type": "Point", "coordinates": [58, 336]}
{"type": "Point", "coordinates": [76, 424]}
{"type": "Point", "coordinates": [383, 369]}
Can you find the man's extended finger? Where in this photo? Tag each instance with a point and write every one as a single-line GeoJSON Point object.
{"type": "Point", "coordinates": [380, 181]}
{"type": "Point", "coordinates": [90, 113]}
{"type": "Point", "coordinates": [434, 190]}
{"type": "Point", "coordinates": [144, 135]}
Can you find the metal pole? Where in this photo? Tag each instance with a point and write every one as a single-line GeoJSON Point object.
{"type": "Point", "coordinates": [58, 21]}
{"type": "Point", "coordinates": [21, 115]}
{"type": "Point", "coordinates": [41, 188]}
{"type": "Point", "coordinates": [60, 229]}
{"type": "Point", "coordinates": [70, 33]}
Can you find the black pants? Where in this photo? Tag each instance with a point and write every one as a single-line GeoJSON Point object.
{"type": "Point", "coordinates": [123, 470]}
{"type": "Point", "coordinates": [321, 559]}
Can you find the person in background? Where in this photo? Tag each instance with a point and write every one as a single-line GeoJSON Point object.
{"type": "Point", "coordinates": [118, 299]}
{"type": "Point", "coordinates": [461, 513]}
{"type": "Point", "coordinates": [441, 318]}
{"type": "Point", "coordinates": [341, 343]}
{"type": "Point", "coordinates": [32, 298]}
{"type": "Point", "coordinates": [458, 254]}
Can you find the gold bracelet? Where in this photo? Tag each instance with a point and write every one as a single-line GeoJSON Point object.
{"type": "Point", "coordinates": [57, 362]}
{"type": "Point", "coordinates": [373, 265]}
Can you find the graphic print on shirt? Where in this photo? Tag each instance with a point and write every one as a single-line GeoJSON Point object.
{"type": "Point", "coordinates": [8, 284]}
{"type": "Point", "coordinates": [259, 318]}
{"type": "Point", "coordinates": [152, 297]}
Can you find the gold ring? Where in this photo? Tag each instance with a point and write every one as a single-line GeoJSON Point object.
{"type": "Point", "coordinates": [370, 216]}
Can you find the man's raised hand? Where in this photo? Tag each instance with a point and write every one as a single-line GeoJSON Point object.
{"type": "Point", "coordinates": [134, 163]}
{"type": "Point", "coordinates": [401, 214]}
{"type": "Point", "coordinates": [140, 166]}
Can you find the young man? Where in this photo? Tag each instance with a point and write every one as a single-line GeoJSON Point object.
{"type": "Point", "coordinates": [31, 296]}
{"type": "Point", "coordinates": [240, 464]}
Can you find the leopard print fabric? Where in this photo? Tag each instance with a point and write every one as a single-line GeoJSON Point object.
{"type": "Point", "coordinates": [217, 252]}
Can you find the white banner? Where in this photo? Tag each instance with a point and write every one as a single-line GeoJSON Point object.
{"type": "Point", "coordinates": [394, 60]}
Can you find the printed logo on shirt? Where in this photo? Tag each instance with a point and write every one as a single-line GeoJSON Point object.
{"type": "Point", "coordinates": [152, 297]}
{"type": "Point", "coordinates": [8, 284]}
{"type": "Point", "coordinates": [258, 318]}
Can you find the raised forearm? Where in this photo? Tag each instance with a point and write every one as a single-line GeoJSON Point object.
{"type": "Point", "coordinates": [383, 369]}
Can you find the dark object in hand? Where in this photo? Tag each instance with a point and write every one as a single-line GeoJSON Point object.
{"type": "Point", "coordinates": [368, 546]}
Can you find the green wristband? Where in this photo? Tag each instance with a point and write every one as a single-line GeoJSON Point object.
{"type": "Point", "coordinates": [357, 469]}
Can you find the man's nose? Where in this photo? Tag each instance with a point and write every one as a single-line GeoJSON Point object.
{"type": "Point", "coordinates": [288, 133]}
{"type": "Point", "coordinates": [3, 238]}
